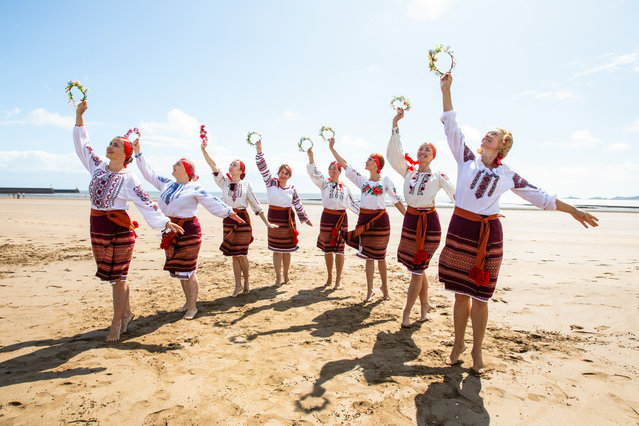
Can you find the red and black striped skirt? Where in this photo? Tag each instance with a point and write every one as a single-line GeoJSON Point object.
{"type": "Point", "coordinates": [372, 242]}
{"type": "Point", "coordinates": [284, 238]}
{"type": "Point", "coordinates": [406, 249]}
{"type": "Point", "coordinates": [331, 240]}
{"type": "Point", "coordinates": [237, 236]}
{"type": "Point", "coordinates": [182, 253]}
{"type": "Point", "coordinates": [459, 253]}
{"type": "Point", "coordinates": [112, 247]}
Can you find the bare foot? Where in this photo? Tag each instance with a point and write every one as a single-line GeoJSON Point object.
{"type": "Point", "coordinates": [369, 296]}
{"type": "Point", "coordinates": [425, 310]}
{"type": "Point", "coordinates": [278, 281]}
{"type": "Point", "coordinates": [337, 287]}
{"type": "Point", "coordinates": [478, 367]}
{"type": "Point", "coordinates": [190, 314]}
{"type": "Point", "coordinates": [453, 359]}
{"type": "Point", "coordinates": [236, 291]}
{"type": "Point", "coordinates": [385, 293]}
{"type": "Point", "coordinates": [328, 282]}
{"type": "Point", "coordinates": [182, 309]}
{"type": "Point", "coordinates": [246, 290]}
{"type": "Point", "coordinates": [405, 319]}
{"type": "Point", "coordinates": [114, 331]}
{"type": "Point", "coordinates": [125, 322]}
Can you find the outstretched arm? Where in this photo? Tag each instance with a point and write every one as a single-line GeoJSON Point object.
{"type": "Point", "coordinates": [338, 158]}
{"type": "Point", "coordinates": [445, 83]}
{"type": "Point", "coordinates": [82, 107]}
{"type": "Point", "coordinates": [208, 158]}
{"type": "Point", "coordinates": [580, 216]}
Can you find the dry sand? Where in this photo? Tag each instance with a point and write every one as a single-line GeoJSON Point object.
{"type": "Point", "coordinates": [562, 334]}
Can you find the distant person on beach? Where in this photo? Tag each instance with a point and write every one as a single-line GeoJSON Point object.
{"type": "Point", "coordinates": [179, 199]}
{"type": "Point", "coordinates": [469, 263]}
{"type": "Point", "coordinates": [421, 230]}
{"type": "Point", "coordinates": [237, 236]}
{"type": "Point", "coordinates": [282, 241]}
{"type": "Point", "coordinates": [112, 231]}
{"type": "Point", "coordinates": [336, 198]}
{"type": "Point", "coordinates": [372, 233]}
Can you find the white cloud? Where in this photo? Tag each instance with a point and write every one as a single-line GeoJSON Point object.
{"type": "Point", "coordinates": [634, 126]}
{"type": "Point", "coordinates": [40, 161]}
{"type": "Point", "coordinates": [617, 147]}
{"type": "Point", "coordinates": [38, 117]}
{"type": "Point", "coordinates": [290, 115]}
{"type": "Point", "coordinates": [582, 138]}
{"type": "Point", "coordinates": [427, 10]}
{"type": "Point", "coordinates": [350, 141]}
{"type": "Point", "coordinates": [179, 129]}
{"type": "Point", "coordinates": [615, 64]}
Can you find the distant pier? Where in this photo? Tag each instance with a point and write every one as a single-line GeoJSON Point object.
{"type": "Point", "coordinates": [6, 190]}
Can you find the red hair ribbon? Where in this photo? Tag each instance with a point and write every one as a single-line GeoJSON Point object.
{"type": "Point", "coordinates": [187, 168]}
{"type": "Point", "coordinates": [290, 172]}
{"type": "Point", "coordinates": [127, 149]}
{"type": "Point", "coordinates": [433, 148]}
{"type": "Point", "coordinates": [242, 168]}
{"type": "Point", "coordinates": [498, 160]}
{"type": "Point", "coordinates": [339, 166]}
{"type": "Point", "coordinates": [410, 161]}
{"type": "Point", "coordinates": [379, 164]}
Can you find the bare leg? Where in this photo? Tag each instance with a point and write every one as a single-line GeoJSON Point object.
{"type": "Point", "coordinates": [186, 296]}
{"type": "Point", "coordinates": [339, 266]}
{"type": "Point", "coordinates": [370, 272]}
{"type": "Point", "coordinates": [423, 298]}
{"type": "Point", "coordinates": [461, 311]}
{"type": "Point", "coordinates": [287, 264]}
{"type": "Point", "coordinates": [277, 264]}
{"type": "Point", "coordinates": [381, 266]}
{"type": "Point", "coordinates": [128, 315]}
{"type": "Point", "coordinates": [328, 259]}
{"type": "Point", "coordinates": [120, 289]}
{"type": "Point", "coordinates": [192, 285]}
{"type": "Point", "coordinates": [237, 272]}
{"type": "Point", "coordinates": [479, 319]}
{"type": "Point", "coordinates": [244, 266]}
{"type": "Point", "coordinates": [414, 289]}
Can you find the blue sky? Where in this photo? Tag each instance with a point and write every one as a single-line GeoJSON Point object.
{"type": "Point", "coordinates": [563, 76]}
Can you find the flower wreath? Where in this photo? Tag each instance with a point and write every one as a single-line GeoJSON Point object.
{"type": "Point", "coordinates": [203, 134]}
{"type": "Point", "coordinates": [131, 131]}
{"type": "Point", "coordinates": [432, 59]}
{"type": "Point", "coordinates": [326, 129]}
{"type": "Point", "coordinates": [300, 144]}
{"type": "Point", "coordinates": [250, 140]}
{"type": "Point", "coordinates": [402, 102]}
{"type": "Point", "coordinates": [71, 85]}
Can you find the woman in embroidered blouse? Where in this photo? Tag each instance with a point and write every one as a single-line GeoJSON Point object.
{"type": "Point", "coordinates": [336, 198]}
{"type": "Point", "coordinates": [421, 230]}
{"type": "Point", "coordinates": [372, 233]}
{"type": "Point", "coordinates": [237, 237]}
{"type": "Point", "coordinates": [469, 263]}
{"type": "Point", "coordinates": [179, 200]}
{"type": "Point", "coordinates": [282, 241]}
{"type": "Point", "coordinates": [112, 231]}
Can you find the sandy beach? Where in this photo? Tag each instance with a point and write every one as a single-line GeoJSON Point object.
{"type": "Point", "coordinates": [562, 339]}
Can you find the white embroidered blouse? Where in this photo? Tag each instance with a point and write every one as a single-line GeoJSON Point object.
{"type": "Point", "coordinates": [238, 195]}
{"type": "Point", "coordinates": [373, 192]}
{"type": "Point", "coordinates": [111, 191]}
{"type": "Point", "coordinates": [181, 199]}
{"type": "Point", "coordinates": [335, 195]}
{"type": "Point", "coordinates": [420, 188]}
{"type": "Point", "coordinates": [478, 187]}
{"type": "Point", "coordinates": [276, 195]}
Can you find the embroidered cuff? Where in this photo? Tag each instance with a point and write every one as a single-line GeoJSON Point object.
{"type": "Point", "coordinates": [395, 131]}
{"type": "Point", "coordinates": [138, 155]}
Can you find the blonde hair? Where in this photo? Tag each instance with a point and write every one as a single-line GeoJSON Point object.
{"type": "Point", "coordinates": [504, 145]}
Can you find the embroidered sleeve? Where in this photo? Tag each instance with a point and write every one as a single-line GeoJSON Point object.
{"type": "Point", "coordinates": [148, 173]}
{"type": "Point", "coordinates": [252, 199]}
{"type": "Point", "coordinates": [350, 201]}
{"type": "Point", "coordinates": [214, 205]}
{"type": "Point", "coordinates": [532, 194]}
{"type": "Point", "coordinates": [447, 186]}
{"type": "Point", "coordinates": [316, 175]}
{"type": "Point", "coordinates": [83, 148]}
{"type": "Point", "coordinates": [263, 168]}
{"type": "Point", "coordinates": [220, 179]}
{"type": "Point", "coordinates": [150, 211]}
{"type": "Point", "coordinates": [354, 176]}
{"type": "Point", "coordinates": [391, 191]}
{"type": "Point", "coordinates": [299, 208]}
{"type": "Point", "coordinates": [455, 137]}
{"type": "Point", "coordinates": [395, 154]}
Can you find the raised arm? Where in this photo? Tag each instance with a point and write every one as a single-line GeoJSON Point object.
{"type": "Point", "coordinates": [338, 158]}
{"type": "Point", "coordinates": [394, 151]}
{"type": "Point", "coordinates": [313, 172]}
{"type": "Point", "coordinates": [157, 181]}
{"type": "Point", "coordinates": [445, 83]}
{"type": "Point", "coordinates": [262, 166]}
{"type": "Point", "coordinates": [81, 140]}
{"type": "Point", "coordinates": [208, 158]}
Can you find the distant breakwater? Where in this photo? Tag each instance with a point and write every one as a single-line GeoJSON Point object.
{"type": "Point", "coordinates": [8, 190]}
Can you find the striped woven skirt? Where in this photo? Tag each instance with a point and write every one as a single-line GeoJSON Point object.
{"type": "Point", "coordinates": [407, 245]}
{"type": "Point", "coordinates": [284, 238]}
{"type": "Point", "coordinates": [372, 242]}
{"type": "Point", "coordinates": [182, 253]}
{"type": "Point", "coordinates": [458, 257]}
{"type": "Point", "coordinates": [112, 247]}
{"type": "Point", "coordinates": [327, 240]}
{"type": "Point", "coordinates": [237, 236]}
